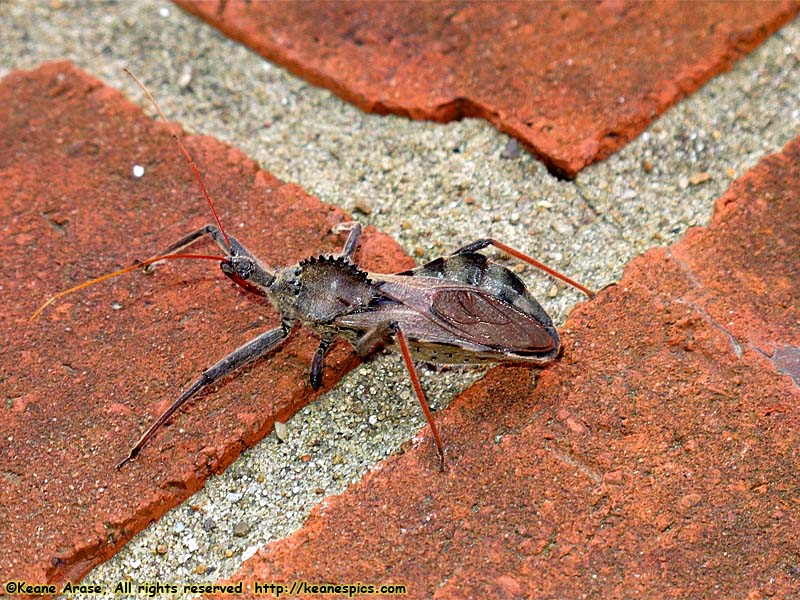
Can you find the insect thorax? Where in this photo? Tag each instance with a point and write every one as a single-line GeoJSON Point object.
{"type": "Point", "coordinates": [318, 290]}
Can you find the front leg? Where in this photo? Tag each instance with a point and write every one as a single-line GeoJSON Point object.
{"type": "Point", "coordinates": [251, 351]}
{"type": "Point", "coordinates": [242, 266]}
{"type": "Point", "coordinates": [211, 230]}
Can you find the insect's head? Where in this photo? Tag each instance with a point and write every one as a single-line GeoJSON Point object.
{"type": "Point", "coordinates": [246, 269]}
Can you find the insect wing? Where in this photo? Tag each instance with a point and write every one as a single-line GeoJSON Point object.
{"type": "Point", "coordinates": [484, 319]}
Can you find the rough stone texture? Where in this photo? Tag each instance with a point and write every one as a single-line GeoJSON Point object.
{"type": "Point", "coordinates": [658, 458]}
{"type": "Point", "coordinates": [81, 383]}
{"type": "Point", "coordinates": [573, 82]}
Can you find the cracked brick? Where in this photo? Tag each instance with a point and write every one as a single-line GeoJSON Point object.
{"type": "Point", "coordinates": [573, 82]}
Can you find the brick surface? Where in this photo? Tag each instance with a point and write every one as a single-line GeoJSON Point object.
{"type": "Point", "coordinates": [83, 381]}
{"type": "Point", "coordinates": [658, 458]}
{"type": "Point", "coordinates": [572, 81]}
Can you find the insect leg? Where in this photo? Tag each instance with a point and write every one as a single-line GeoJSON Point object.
{"type": "Point", "coordinates": [252, 350]}
{"type": "Point", "coordinates": [375, 338]}
{"type": "Point", "coordinates": [236, 249]}
{"type": "Point", "coordinates": [480, 244]}
{"type": "Point", "coordinates": [352, 240]}
{"type": "Point", "coordinates": [401, 338]}
{"type": "Point", "coordinates": [317, 364]}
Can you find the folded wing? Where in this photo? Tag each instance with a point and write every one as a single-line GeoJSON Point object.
{"type": "Point", "coordinates": [484, 319]}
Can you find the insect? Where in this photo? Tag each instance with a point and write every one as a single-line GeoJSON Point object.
{"type": "Point", "coordinates": [458, 309]}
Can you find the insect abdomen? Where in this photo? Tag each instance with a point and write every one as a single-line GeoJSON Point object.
{"type": "Point", "coordinates": [469, 268]}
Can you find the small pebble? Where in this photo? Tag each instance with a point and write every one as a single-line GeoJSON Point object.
{"type": "Point", "coordinates": [699, 178]}
{"type": "Point", "coordinates": [185, 79]}
{"type": "Point", "coordinates": [249, 552]}
{"type": "Point", "coordinates": [512, 149]}
{"type": "Point", "coordinates": [362, 206]}
{"type": "Point", "coordinates": [563, 227]}
{"type": "Point", "coordinates": [281, 431]}
{"type": "Point", "coordinates": [209, 524]}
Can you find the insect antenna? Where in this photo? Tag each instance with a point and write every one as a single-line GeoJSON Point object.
{"type": "Point", "coordinates": [188, 156]}
{"type": "Point", "coordinates": [154, 259]}
{"type": "Point", "coordinates": [137, 265]}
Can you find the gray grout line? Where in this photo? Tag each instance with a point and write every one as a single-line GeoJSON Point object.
{"type": "Point", "coordinates": [433, 187]}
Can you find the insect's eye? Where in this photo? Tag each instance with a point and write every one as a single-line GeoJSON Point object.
{"type": "Point", "coordinates": [243, 266]}
{"type": "Point", "coordinates": [296, 286]}
{"type": "Point", "coordinates": [297, 271]}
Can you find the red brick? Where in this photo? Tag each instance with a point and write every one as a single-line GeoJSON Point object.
{"type": "Point", "coordinates": [83, 381]}
{"type": "Point", "coordinates": [573, 82]}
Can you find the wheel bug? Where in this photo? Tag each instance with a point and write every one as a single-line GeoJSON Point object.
{"type": "Point", "coordinates": [454, 310]}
